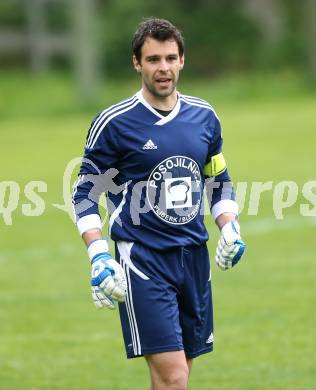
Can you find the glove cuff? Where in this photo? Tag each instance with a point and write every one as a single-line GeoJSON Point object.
{"type": "Point", "coordinates": [97, 247]}
{"type": "Point", "coordinates": [231, 232]}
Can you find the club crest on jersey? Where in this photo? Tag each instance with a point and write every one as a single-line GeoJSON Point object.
{"type": "Point", "coordinates": [174, 190]}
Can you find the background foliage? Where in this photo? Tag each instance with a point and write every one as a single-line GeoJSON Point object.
{"type": "Point", "coordinates": [261, 84]}
{"type": "Point", "coordinates": [220, 36]}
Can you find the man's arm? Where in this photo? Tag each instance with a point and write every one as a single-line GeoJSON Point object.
{"type": "Point", "coordinates": [224, 218]}
{"type": "Point", "coordinates": [221, 197]}
{"type": "Point", "coordinates": [108, 282]}
{"type": "Point", "coordinates": [91, 235]}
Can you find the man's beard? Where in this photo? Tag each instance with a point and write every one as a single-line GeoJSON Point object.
{"type": "Point", "coordinates": [164, 93]}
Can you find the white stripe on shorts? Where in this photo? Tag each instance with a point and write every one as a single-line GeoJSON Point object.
{"type": "Point", "coordinates": [126, 249]}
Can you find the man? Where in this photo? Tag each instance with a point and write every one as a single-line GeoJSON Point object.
{"type": "Point", "coordinates": [154, 153]}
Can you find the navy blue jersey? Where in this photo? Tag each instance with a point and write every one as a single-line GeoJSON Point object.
{"type": "Point", "coordinates": [151, 168]}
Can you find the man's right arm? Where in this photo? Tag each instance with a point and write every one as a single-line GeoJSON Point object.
{"type": "Point", "coordinates": [108, 282]}
{"type": "Point", "coordinates": [91, 235]}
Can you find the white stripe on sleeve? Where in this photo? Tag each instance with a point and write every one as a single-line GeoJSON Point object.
{"type": "Point", "coordinates": [224, 206]}
{"type": "Point", "coordinates": [91, 221]}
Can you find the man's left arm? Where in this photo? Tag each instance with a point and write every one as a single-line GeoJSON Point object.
{"type": "Point", "coordinates": [224, 208]}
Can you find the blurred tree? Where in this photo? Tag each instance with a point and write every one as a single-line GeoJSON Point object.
{"type": "Point", "coordinates": [119, 21]}
{"type": "Point", "coordinates": [220, 36]}
{"type": "Point", "coordinates": [86, 48]}
{"type": "Point", "coordinates": [37, 26]}
{"type": "Point", "coordinates": [223, 39]}
{"type": "Point", "coordinates": [54, 31]}
{"type": "Point", "coordinates": [309, 24]}
{"type": "Point", "coordinates": [269, 16]}
{"type": "Point", "coordinates": [12, 39]}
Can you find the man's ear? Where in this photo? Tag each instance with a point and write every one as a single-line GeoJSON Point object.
{"type": "Point", "coordinates": [136, 64]}
{"type": "Point", "coordinates": [182, 62]}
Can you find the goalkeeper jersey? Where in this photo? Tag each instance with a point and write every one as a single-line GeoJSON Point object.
{"type": "Point", "coordinates": [153, 170]}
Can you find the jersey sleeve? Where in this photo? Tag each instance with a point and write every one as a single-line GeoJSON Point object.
{"type": "Point", "coordinates": [219, 188]}
{"type": "Point", "coordinates": [101, 153]}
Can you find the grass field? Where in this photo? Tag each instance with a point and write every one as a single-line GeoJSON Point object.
{"type": "Point", "coordinates": [51, 337]}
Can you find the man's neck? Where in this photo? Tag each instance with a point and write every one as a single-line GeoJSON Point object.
{"type": "Point", "coordinates": [162, 103]}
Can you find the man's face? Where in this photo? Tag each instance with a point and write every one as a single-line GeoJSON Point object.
{"type": "Point", "coordinates": [159, 66]}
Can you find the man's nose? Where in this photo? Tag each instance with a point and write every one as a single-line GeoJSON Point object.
{"type": "Point", "coordinates": [163, 65]}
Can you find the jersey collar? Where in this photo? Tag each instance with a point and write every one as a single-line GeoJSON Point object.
{"type": "Point", "coordinates": [162, 119]}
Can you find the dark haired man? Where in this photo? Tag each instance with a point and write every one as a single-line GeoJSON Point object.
{"type": "Point", "coordinates": [164, 146]}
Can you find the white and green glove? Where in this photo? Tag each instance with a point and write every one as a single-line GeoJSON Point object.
{"type": "Point", "coordinates": [230, 247]}
{"type": "Point", "coordinates": [108, 282]}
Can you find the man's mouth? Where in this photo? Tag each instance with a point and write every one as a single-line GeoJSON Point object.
{"type": "Point", "coordinates": [163, 81]}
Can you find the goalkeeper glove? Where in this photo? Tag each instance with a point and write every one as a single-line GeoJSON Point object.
{"type": "Point", "coordinates": [230, 247]}
{"type": "Point", "coordinates": [108, 282]}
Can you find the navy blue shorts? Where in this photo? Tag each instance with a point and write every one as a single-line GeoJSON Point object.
{"type": "Point", "coordinates": [169, 300]}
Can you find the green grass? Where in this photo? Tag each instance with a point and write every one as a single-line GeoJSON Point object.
{"type": "Point", "coordinates": [51, 337]}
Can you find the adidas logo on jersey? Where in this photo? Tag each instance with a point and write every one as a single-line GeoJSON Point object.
{"type": "Point", "coordinates": [149, 145]}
